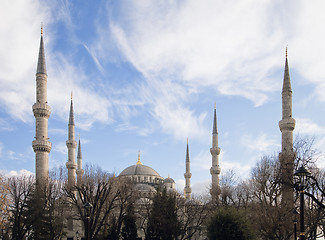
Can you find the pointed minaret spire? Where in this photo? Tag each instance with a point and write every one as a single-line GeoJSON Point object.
{"type": "Point", "coordinates": [139, 161]}
{"type": "Point", "coordinates": [41, 65]}
{"type": "Point", "coordinates": [187, 175]}
{"type": "Point", "coordinates": [215, 151]}
{"type": "Point", "coordinates": [71, 145]}
{"type": "Point", "coordinates": [215, 129]}
{"type": "Point", "coordinates": [71, 115]}
{"type": "Point", "coordinates": [42, 111]}
{"type": "Point", "coordinates": [286, 91]}
{"type": "Point", "coordinates": [79, 155]}
{"type": "Point", "coordinates": [287, 125]}
{"type": "Point", "coordinates": [79, 171]}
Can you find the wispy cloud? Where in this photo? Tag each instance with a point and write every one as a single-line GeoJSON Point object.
{"type": "Point", "coordinates": [261, 143]}
{"type": "Point", "coordinates": [128, 127]}
{"type": "Point", "coordinates": [234, 48]}
{"type": "Point", "coordinates": [180, 51]}
{"type": "Point", "coordinates": [17, 86]}
{"type": "Point", "coordinates": [178, 41]}
{"type": "Point", "coordinates": [61, 148]}
{"type": "Point", "coordinates": [5, 125]}
{"type": "Point", "coordinates": [309, 127]}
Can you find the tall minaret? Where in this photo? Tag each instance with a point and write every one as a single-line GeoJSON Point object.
{"type": "Point", "coordinates": [80, 171]}
{"type": "Point", "coordinates": [215, 151]}
{"type": "Point", "coordinates": [71, 145]}
{"type": "Point", "coordinates": [187, 175]}
{"type": "Point", "coordinates": [42, 111]}
{"type": "Point", "coordinates": [287, 125]}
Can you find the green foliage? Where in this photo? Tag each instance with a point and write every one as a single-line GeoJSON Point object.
{"type": "Point", "coordinates": [162, 222]}
{"type": "Point", "coordinates": [229, 224]}
{"type": "Point", "coordinates": [129, 230]}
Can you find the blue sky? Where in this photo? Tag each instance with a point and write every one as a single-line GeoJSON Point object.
{"type": "Point", "coordinates": [145, 76]}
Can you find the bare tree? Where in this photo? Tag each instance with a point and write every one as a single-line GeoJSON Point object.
{"type": "Point", "coordinates": [20, 191]}
{"type": "Point", "coordinates": [125, 200]}
{"type": "Point", "coordinates": [4, 208]}
{"type": "Point", "coordinates": [192, 215]}
{"type": "Point", "coordinates": [101, 190]}
{"type": "Point", "coordinates": [272, 220]}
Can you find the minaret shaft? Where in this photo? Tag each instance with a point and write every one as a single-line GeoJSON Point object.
{"type": "Point", "coordinates": [79, 171]}
{"type": "Point", "coordinates": [42, 111]}
{"type": "Point", "coordinates": [215, 151]}
{"type": "Point", "coordinates": [187, 175]}
{"type": "Point", "coordinates": [287, 125]}
{"type": "Point", "coordinates": [71, 145]}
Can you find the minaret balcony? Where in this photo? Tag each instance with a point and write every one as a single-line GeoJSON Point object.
{"type": "Point", "coordinates": [41, 110]}
{"type": "Point", "coordinates": [187, 175]}
{"type": "Point", "coordinates": [71, 165]}
{"type": "Point", "coordinates": [215, 151]}
{"type": "Point", "coordinates": [71, 144]}
{"type": "Point", "coordinates": [79, 171]}
{"type": "Point", "coordinates": [215, 170]}
{"type": "Point", "coordinates": [287, 124]}
{"type": "Point", "coordinates": [42, 146]}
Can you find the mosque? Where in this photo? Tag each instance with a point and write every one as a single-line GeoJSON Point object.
{"type": "Point", "coordinates": [145, 178]}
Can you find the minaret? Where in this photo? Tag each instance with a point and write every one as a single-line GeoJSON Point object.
{"type": "Point", "coordinates": [187, 175]}
{"type": "Point", "coordinates": [79, 171]}
{"type": "Point", "coordinates": [287, 125]}
{"type": "Point", "coordinates": [71, 145]}
{"type": "Point", "coordinates": [215, 151]}
{"type": "Point", "coordinates": [42, 111]}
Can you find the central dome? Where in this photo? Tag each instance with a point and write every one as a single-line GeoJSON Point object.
{"type": "Point", "coordinates": [139, 169]}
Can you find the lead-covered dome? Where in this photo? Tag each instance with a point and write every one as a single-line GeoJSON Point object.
{"type": "Point", "coordinates": [139, 169]}
{"type": "Point", "coordinates": [141, 173]}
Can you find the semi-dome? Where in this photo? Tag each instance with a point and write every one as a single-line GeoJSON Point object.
{"type": "Point", "coordinates": [169, 180]}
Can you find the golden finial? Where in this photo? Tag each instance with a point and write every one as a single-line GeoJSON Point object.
{"type": "Point", "coordinates": [187, 140]}
{"type": "Point", "coordinates": [215, 105]}
{"type": "Point", "coordinates": [71, 95]}
{"type": "Point", "coordinates": [139, 162]}
{"type": "Point", "coordinates": [287, 51]}
{"type": "Point", "coordinates": [79, 136]}
{"type": "Point", "coordinates": [42, 29]}
{"type": "Point", "coordinates": [168, 175]}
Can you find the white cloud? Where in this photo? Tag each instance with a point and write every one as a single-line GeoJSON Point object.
{"type": "Point", "coordinates": [128, 127]}
{"type": "Point", "coordinates": [58, 131]}
{"type": "Point", "coordinates": [309, 127]}
{"type": "Point", "coordinates": [233, 47]}
{"type": "Point", "coordinates": [198, 188]}
{"type": "Point", "coordinates": [18, 54]}
{"type": "Point", "coordinates": [215, 44]}
{"type": "Point", "coordinates": [202, 160]}
{"type": "Point", "coordinates": [261, 143]}
{"type": "Point", "coordinates": [183, 48]}
{"type": "Point", "coordinates": [60, 147]}
{"type": "Point", "coordinates": [180, 184]}
{"type": "Point", "coordinates": [22, 172]}
{"type": "Point", "coordinates": [201, 188]}
{"type": "Point", "coordinates": [19, 36]}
